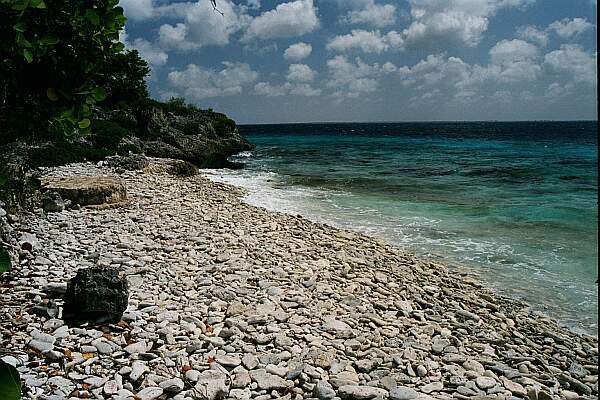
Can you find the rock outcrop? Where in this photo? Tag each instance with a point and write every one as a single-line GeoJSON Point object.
{"type": "Point", "coordinates": [19, 187]}
{"type": "Point", "coordinates": [87, 190]}
{"type": "Point", "coordinates": [130, 162]}
{"type": "Point", "coordinates": [204, 138]}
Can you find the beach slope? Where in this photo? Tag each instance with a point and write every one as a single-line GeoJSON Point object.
{"type": "Point", "coordinates": [228, 300]}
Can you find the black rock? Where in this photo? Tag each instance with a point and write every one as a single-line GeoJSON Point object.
{"type": "Point", "coordinates": [52, 202]}
{"type": "Point", "coordinates": [96, 294]}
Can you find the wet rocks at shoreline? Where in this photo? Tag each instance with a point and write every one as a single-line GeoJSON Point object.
{"type": "Point", "coordinates": [231, 301]}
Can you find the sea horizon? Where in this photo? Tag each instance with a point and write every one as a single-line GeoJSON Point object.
{"type": "Point", "coordinates": [416, 122]}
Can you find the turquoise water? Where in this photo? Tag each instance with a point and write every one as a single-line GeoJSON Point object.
{"type": "Point", "coordinates": [514, 202]}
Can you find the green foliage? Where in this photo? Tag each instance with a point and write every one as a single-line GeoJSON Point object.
{"type": "Point", "coordinates": [59, 59]}
{"type": "Point", "coordinates": [65, 152]}
{"type": "Point", "coordinates": [223, 125]}
{"type": "Point", "coordinates": [125, 74]}
{"type": "Point", "coordinates": [125, 119]}
{"type": "Point", "coordinates": [5, 263]}
{"type": "Point", "coordinates": [10, 382]}
{"type": "Point", "coordinates": [178, 106]}
{"type": "Point", "coordinates": [108, 134]}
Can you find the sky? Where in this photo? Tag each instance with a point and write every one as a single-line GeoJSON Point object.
{"type": "Point", "coordinates": [263, 61]}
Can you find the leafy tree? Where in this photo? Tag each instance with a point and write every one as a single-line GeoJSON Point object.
{"type": "Point", "coordinates": [124, 74]}
{"type": "Point", "coordinates": [59, 59]}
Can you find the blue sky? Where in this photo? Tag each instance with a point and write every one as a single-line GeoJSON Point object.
{"type": "Point", "coordinates": [265, 61]}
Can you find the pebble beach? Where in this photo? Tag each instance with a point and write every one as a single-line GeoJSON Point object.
{"type": "Point", "coordinates": [231, 301]}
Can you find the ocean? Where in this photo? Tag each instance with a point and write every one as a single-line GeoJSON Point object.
{"type": "Point", "coordinates": [514, 202]}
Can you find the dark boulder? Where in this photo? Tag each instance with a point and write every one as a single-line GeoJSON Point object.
{"type": "Point", "coordinates": [97, 294]}
{"type": "Point", "coordinates": [52, 202]}
{"type": "Point", "coordinates": [204, 138]}
{"type": "Point", "coordinates": [183, 169]}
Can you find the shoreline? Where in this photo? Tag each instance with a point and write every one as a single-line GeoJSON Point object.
{"type": "Point", "coordinates": [260, 304]}
{"type": "Point", "coordinates": [255, 195]}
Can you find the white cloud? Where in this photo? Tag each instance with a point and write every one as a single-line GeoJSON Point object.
{"type": "Point", "coordinates": [574, 61]}
{"type": "Point", "coordinates": [556, 91]}
{"type": "Point", "coordinates": [138, 10]}
{"type": "Point", "coordinates": [533, 34]}
{"type": "Point", "coordinates": [567, 28]}
{"type": "Point", "coordinates": [514, 61]}
{"type": "Point", "coordinates": [297, 51]}
{"type": "Point", "coordinates": [123, 35]}
{"type": "Point", "coordinates": [291, 19]}
{"type": "Point", "coordinates": [149, 52]}
{"type": "Point", "coordinates": [516, 72]}
{"type": "Point", "coordinates": [352, 79]}
{"type": "Point", "coordinates": [370, 13]}
{"type": "Point", "coordinates": [288, 88]}
{"type": "Point", "coordinates": [301, 73]}
{"type": "Point", "coordinates": [389, 67]}
{"type": "Point", "coordinates": [202, 25]}
{"type": "Point", "coordinates": [196, 82]}
{"type": "Point", "coordinates": [304, 89]}
{"type": "Point", "coordinates": [172, 36]}
{"type": "Point", "coordinates": [253, 4]}
{"type": "Point", "coordinates": [435, 69]}
{"type": "Point", "coordinates": [366, 41]}
{"type": "Point", "coordinates": [508, 51]}
{"type": "Point", "coordinates": [266, 89]}
{"type": "Point", "coordinates": [449, 26]}
{"type": "Point", "coordinates": [460, 21]}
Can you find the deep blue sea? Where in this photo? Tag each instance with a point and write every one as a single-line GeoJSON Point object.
{"type": "Point", "coordinates": [516, 203]}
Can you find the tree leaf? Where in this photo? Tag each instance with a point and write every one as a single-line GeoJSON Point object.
{"type": "Point", "coordinates": [51, 93]}
{"type": "Point", "coordinates": [10, 382]}
{"type": "Point", "coordinates": [28, 56]}
{"type": "Point", "coordinates": [21, 41]}
{"type": "Point", "coordinates": [99, 94]}
{"type": "Point", "coordinates": [38, 4]}
{"type": "Point", "coordinates": [20, 27]}
{"type": "Point", "coordinates": [84, 123]}
{"type": "Point", "coordinates": [5, 263]}
{"type": "Point", "coordinates": [21, 5]}
{"type": "Point", "coordinates": [92, 16]}
{"type": "Point", "coordinates": [49, 40]}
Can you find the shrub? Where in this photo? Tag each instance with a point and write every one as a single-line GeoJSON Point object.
{"type": "Point", "coordinates": [64, 152]}
{"type": "Point", "coordinates": [59, 58]}
{"type": "Point", "coordinates": [178, 106]}
{"type": "Point", "coordinates": [223, 125]}
{"type": "Point", "coordinates": [107, 134]}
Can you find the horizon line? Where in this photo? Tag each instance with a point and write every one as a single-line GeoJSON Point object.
{"type": "Point", "coordinates": [417, 121]}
